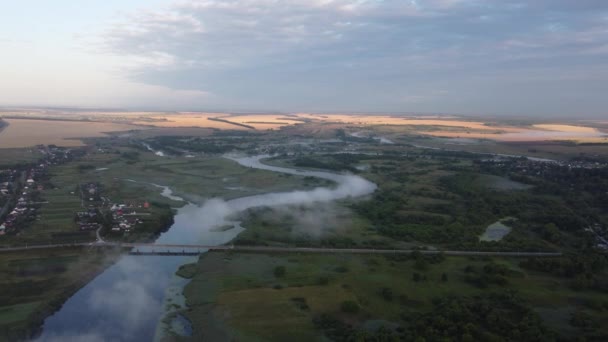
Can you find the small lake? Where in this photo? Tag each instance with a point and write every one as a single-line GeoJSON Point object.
{"type": "Point", "coordinates": [495, 232]}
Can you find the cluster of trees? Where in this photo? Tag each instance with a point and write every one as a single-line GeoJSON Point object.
{"type": "Point", "coordinates": [489, 317]}
{"type": "Point", "coordinates": [584, 270]}
{"type": "Point", "coordinates": [384, 212]}
{"type": "Point", "coordinates": [82, 168]}
{"type": "Point", "coordinates": [563, 202]}
{"type": "Point", "coordinates": [231, 122]}
{"type": "Point", "coordinates": [326, 165]}
{"type": "Point", "coordinates": [584, 190]}
{"type": "Point", "coordinates": [336, 330]}
{"type": "Point", "coordinates": [490, 273]}
{"type": "Point", "coordinates": [130, 156]}
{"type": "Point", "coordinates": [177, 145]}
{"type": "Point", "coordinates": [161, 220]}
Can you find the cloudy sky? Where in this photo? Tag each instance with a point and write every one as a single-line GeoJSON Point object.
{"type": "Point", "coordinates": [520, 57]}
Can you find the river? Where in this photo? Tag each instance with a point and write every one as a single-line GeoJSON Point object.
{"type": "Point", "coordinates": [128, 300]}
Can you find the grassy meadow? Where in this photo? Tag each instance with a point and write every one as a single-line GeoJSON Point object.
{"type": "Point", "coordinates": [33, 284]}
{"type": "Point", "coordinates": [244, 292]}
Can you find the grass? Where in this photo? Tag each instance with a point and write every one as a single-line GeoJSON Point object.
{"type": "Point", "coordinates": [18, 312]}
{"type": "Point", "coordinates": [186, 271]}
{"type": "Point", "coordinates": [316, 224]}
{"type": "Point", "coordinates": [12, 156]}
{"type": "Point", "coordinates": [243, 289]}
{"type": "Point", "coordinates": [194, 178]}
{"type": "Point", "coordinates": [500, 183]}
{"type": "Point", "coordinates": [35, 283]}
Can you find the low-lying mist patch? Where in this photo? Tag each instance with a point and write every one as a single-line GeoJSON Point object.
{"type": "Point", "coordinates": [289, 223]}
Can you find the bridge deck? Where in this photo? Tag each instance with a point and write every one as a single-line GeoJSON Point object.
{"type": "Point", "coordinates": [193, 249]}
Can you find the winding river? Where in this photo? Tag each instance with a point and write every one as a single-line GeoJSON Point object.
{"type": "Point", "coordinates": [127, 302]}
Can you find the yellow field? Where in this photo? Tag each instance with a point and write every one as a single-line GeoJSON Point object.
{"type": "Point", "coordinates": [259, 121]}
{"type": "Point", "coordinates": [27, 132]}
{"type": "Point", "coordinates": [535, 133]}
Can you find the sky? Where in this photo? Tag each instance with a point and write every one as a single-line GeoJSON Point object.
{"type": "Point", "coordinates": [503, 57]}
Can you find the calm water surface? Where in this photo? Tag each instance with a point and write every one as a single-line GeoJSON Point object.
{"type": "Point", "coordinates": [128, 300]}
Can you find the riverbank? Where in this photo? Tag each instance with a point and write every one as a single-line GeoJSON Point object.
{"type": "Point", "coordinates": [3, 124]}
{"type": "Point", "coordinates": [25, 312]}
{"type": "Point", "coordinates": [57, 275]}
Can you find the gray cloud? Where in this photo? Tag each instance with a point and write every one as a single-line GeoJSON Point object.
{"type": "Point", "coordinates": [441, 55]}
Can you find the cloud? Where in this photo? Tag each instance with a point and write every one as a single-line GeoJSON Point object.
{"type": "Point", "coordinates": [363, 54]}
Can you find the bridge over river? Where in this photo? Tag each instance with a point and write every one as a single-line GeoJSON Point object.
{"type": "Point", "coordinates": [120, 290]}
{"type": "Point", "coordinates": [195, 249]}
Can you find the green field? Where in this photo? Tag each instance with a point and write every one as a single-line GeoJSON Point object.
{"type": "Point", "coordinates": [425, 198]}
{"type": "Point", "coordinates": [241, 290]}
{"type": "Point", "coordinates": [34, 284]}
{"type": "Point", "coordinates": [193, 178]}
{"type": "Point", "coordinates": [12, 156]}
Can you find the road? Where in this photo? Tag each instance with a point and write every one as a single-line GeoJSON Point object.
{"type": "Point", "coordinates": [149, 248]}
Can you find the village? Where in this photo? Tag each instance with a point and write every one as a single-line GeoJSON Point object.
{"type": "Point", "coordinates": [100, 214]}
{"type": "Point", "coordinates": [21, 187]}
{"type": "Point", "coordinates": [22, 195]}
{"type": "Point", "coordinates": [17, 196]}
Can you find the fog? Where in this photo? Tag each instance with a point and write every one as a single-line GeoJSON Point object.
{"type": "Point", "coordinates": [127, 301]}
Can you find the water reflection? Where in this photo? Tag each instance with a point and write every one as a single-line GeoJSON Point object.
{"type": "Point", "coordinates": [126, 302]}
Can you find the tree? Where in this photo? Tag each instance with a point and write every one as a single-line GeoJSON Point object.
{"type": "Point", "coordinates": [421, 264]}
{"type": "Point", "coordinates": [550, 232]}
{"type": "Point", "coordinates": [387, 294]}
{"type": "Point", "coordinates": [279, 271]}
{"type": "Point", "coordinates": [444, 277]}
{"type": "Point", "coordinates": [349, 306]}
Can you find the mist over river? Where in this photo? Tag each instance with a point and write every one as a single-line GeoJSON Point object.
{"type": "Point", "coordinates": [128, 300]}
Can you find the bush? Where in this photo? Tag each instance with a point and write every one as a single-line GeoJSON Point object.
{"type": "Point", "coordinates": [387, 294]}
{"type": "Point", "coordinates": [279, 271]}
{"type": "Point", "coordinates": [349, 306]}
{"type": "Point", "coordinates": [341, 269]}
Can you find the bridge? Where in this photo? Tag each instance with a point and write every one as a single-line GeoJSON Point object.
{"type": "Point", "coordinates": [143, 249]}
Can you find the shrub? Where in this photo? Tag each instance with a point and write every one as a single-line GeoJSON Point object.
{"type": "Point", "coordinates": [341, 269]}
{"type": "Point", "coordinates": [387, 294]}
{"type": "Point", "coordinates": [279, 271]}
{"type": "Point", "coordinates": [349, 306]}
